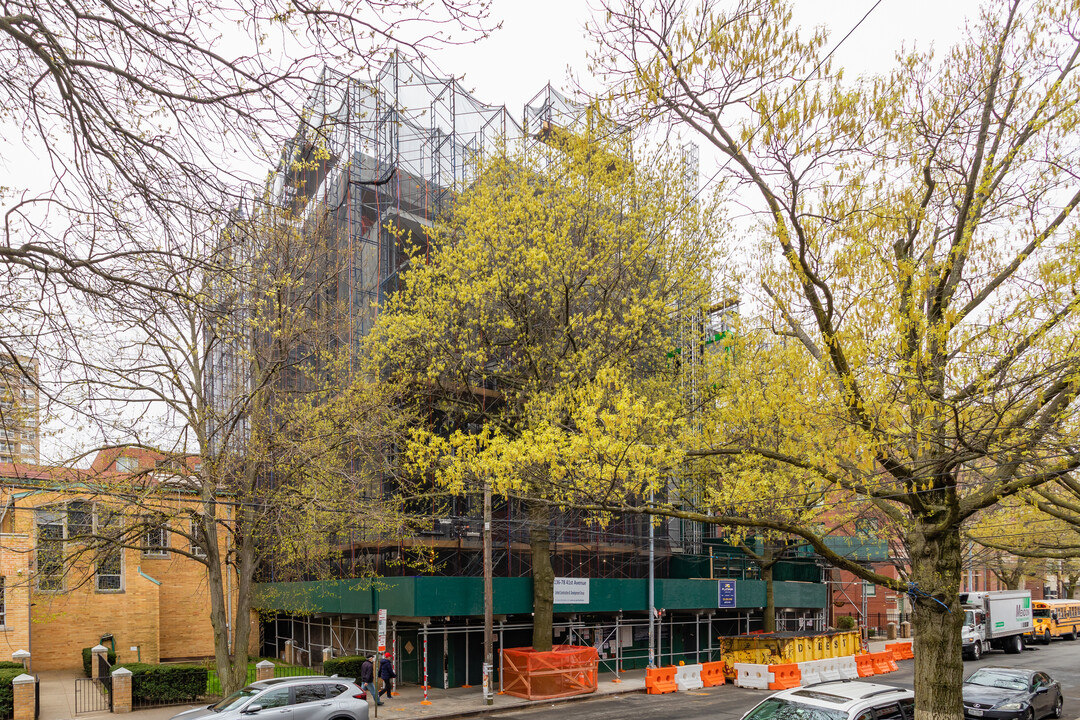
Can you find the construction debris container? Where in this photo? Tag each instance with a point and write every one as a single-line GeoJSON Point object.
{"type": "Point", "coordinates": [788, 647]}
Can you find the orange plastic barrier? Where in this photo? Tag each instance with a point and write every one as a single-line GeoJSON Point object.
{"type": "Point", "coordinates": [900, 650]}
{"type": "Point", "coordinates": [865, 665]}
{"type": "Point", "coordinates": [660, 681]}
{"type": "Point", "coordinates": [785, 676]}
{"type": "Point", "coordinates": [883, 662]}
{"type": "Point", "coordinates": [712, 673]}
{"type": "Point", "coordinates": [566, 670]}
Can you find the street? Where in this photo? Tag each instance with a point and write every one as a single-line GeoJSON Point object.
{"type": "Point", "coordinates": [1061, 660]}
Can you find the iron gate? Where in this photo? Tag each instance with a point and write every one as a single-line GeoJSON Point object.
{"type": "Point", "coordinates": [95, 694]}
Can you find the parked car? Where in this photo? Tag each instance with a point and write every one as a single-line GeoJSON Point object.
{"type": "Point", "coordinates": [837, 700]}
{"type": "Point", "coordinates": [998, 693]}
{"type": "Point", "coordinates": [309, 697]}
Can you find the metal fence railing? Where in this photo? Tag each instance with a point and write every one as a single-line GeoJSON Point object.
{"type": "Point", "coordinates": [877, 623]}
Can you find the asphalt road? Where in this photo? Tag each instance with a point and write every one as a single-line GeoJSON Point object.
{"type": "Point", "coordinates": [1061, 659]}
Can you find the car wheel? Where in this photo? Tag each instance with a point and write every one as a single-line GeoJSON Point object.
{"type": "Point", "coordinates": [976, 651]}
{"type": "Point", "coordinates": [1072, 635]}
{"type": "Point", "coordinates": [1030, 714]}
{"type": "Point", "coordinates": [1058, 705]}
{"type": "Point", "coordinates": [1046, 637]}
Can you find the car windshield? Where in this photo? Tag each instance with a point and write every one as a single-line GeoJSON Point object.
{"type": "Point", "coordinates": [780, 709]}
{"type": "Point", "coordinates": [999, 679]}
{"type": "Point", "coordinates": [1041, 612]}
{"type": "Point", "coordinates": [235, 700]}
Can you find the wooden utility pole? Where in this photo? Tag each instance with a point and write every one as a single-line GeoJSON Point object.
{"type": "Point", "coordinates": [488, 602]}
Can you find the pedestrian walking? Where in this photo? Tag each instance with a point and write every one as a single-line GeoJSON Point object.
{"type": "Point", "coordinates": [367, 679]}
{"type": "Point", "coordinates": [386, 674]}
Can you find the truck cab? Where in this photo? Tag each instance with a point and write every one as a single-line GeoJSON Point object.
{"type": "Point", "coordinates": [974, 632]}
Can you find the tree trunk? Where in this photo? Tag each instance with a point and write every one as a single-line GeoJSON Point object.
{"type": "Point", "coordinates": [543, 576]}
{"type": "Point", "coordinates": [769, 621]}
{"type": "Point", "coordinates": [245, 561]}
{"type": "Point", "coordinates": [219, 614]}
{"type": "Point", "coordinates": [936, 560]}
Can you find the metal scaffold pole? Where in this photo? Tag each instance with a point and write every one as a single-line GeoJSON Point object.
{"type": "Point", "coordinates": [489, 697]}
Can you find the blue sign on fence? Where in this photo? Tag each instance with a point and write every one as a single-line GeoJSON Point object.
{"type": "Point", "coordinates": [727, 594]}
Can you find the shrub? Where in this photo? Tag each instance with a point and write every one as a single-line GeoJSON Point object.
{"type": "Point", "coordinates": [345, 666]}
{"type": "Point", "coordinates": [10, 665]}
{"type": "Point", "coordinates": [158, 684]}
{"type": "Point", "coordinates": [88, 657]}
{"type": "Point", "coordinates": [845, 623]}
{"type": "Point", "coordinates": [7, 692]}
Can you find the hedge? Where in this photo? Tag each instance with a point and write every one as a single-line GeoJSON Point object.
{"type": "Point", "coordinates": [348, 666]}
{"type": "Point", "coordinates": [157, 684]}
{"type": "Point", "coordinates": [7, 692]}
{"type": "Point", "coordinates": [10, 665]}
{"type": "Point", "coordinates": [88, 657]}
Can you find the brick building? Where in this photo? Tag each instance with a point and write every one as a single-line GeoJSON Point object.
{"type": "Point", "coordinates": [148, 600]}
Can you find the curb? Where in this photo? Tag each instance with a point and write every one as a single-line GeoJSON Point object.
{"type": "Point", "coordinates": [490, 709]}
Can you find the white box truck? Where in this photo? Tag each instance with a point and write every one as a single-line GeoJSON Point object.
{"type": "Point", "coordinates": [995, 620]}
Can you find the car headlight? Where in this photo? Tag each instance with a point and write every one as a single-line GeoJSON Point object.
{"type": "Point", "coordinates": [1011, 705]}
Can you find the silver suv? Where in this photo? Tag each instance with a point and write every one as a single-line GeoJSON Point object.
{"type": "Point", "coordinates": [837, 700]}
{"type": "Point", "coordinates": [311, 697]}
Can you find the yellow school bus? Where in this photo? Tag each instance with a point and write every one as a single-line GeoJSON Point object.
{"type": "Point", "coordinates": [1055, 618]}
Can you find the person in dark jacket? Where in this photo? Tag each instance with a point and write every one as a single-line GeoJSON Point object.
{"type": "Point", "coordinates": [386, 674]}
{"type": "Point", "coordinates": [367, 679]}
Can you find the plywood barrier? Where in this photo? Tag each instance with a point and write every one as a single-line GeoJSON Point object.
{"type": "Point", "coordinates": [564, 671]}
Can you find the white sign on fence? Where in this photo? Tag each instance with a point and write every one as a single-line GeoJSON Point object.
{"type": "Point", "coordinates": [571, 591]}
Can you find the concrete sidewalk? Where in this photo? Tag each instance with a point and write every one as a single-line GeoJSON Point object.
{"type": "Point", "coordinates": [455, 702]}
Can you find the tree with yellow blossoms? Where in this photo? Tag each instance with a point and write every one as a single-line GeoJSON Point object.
{"type": "Point", "coordinates": [915, 268]}
{"type": "Point", "coordinates": [534, 328]}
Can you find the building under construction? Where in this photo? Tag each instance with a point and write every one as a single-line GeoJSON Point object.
{"type": "Point", "coordinates": [382, 159]}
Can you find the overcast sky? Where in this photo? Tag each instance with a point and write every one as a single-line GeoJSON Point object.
{"type": "Point", "coordinates": [540, 40]}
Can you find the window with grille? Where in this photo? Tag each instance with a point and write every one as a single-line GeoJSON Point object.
{"type": "Point", "coordinates": [49, 551]}
{"type": "Point", "coordinates": [157, 537]}
{"type": "Point", "coordinates": [109, 573]}
{"type": "Point", "coordinates": [80, 520]}
{"type": "Point", "coordinates": [109, 567]}
{"type": "Point", "coordinates": [198, 539]}
{"type": "Point", "coordinates": [3, 601]}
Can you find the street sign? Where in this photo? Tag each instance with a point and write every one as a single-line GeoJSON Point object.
{"type": "Point", "coordinates": [382, 631]}
{"type": "Point", "coordinates": [727, 594]}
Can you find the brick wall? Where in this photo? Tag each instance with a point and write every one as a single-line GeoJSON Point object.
{"type": "Point", "coordinates": [64, 623]}
{"type": "Point", "coordinates": [163, 610]}
{"type": "Point", "coordinates": [15, 569]}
